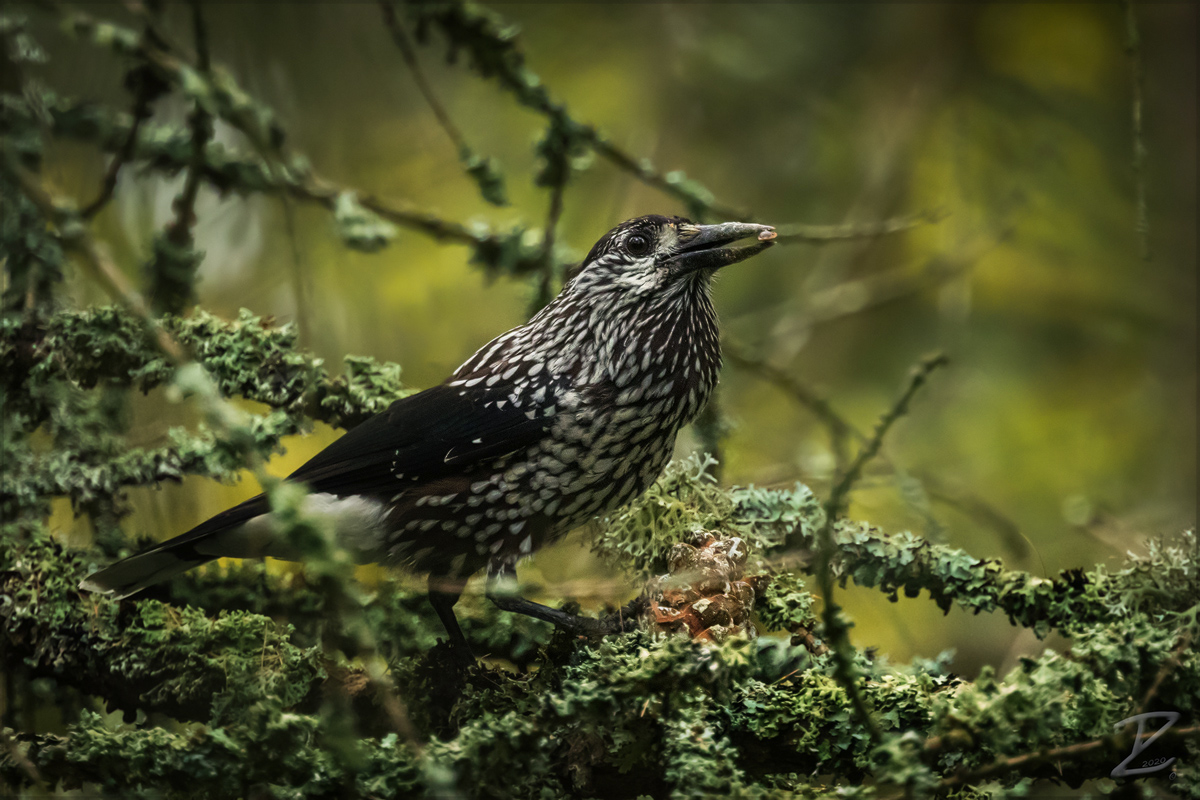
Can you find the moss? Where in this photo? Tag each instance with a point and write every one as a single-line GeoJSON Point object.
{"type": "Point", "coordinates": [145, 655]}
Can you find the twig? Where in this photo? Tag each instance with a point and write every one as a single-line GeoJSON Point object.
{"type": "Point", "coordinates": [835, 626]}
{"type": "Point", "coordinates": [397, 712]}
{"type": "Point", "coordinates": [643, 170]}
{"type": "Point", "coordinates": [1112, 742]}
{"type": "Point", "coordinates": [95, 259]}
{"type": "Point", "coordinates": [710, 427]}
{"type": "Point", "coordinates": [822, 234]}
{"type": "Point", "coordinates": [803, 636]}
{"type": "Point", "coordinates": [400, 37]}
{"type": "Point", "coordinates": [200, 123]}
{"type": "Point", "coordinates": [917, 378]}
{"type": "Point", "coordinates": [300, 285]}
{"type": "Point", "coordinates": [230, 173]}
{"type": "Point", "coordinates": [1170, 665]}
{"type": "Point", "coordinates": [151, 16]}
{"type": "Point", "coordinates": [21, 760]}
{"type": "Point", "coordinates": [1137, 79]}
{"type": "Point", "coordinates": [545, 287]}
{"type": "Point", "coordinates": [497, 54]}
{"type": "Point", "coordinates": [144, 96]}
{"type": "Point", "coordinates": [839, 429]}
{"type": "Point", "coordinates": [981, 511]}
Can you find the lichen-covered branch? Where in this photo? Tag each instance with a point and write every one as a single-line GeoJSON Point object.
{"type": "Point", "coordinates": [835, 627]}
{"type": "Point", "coordinates": [782, 524]}
{"type": "Point", "coordinates": [246, 358]}
{"type": "Point", "coordinates": [148, 656]}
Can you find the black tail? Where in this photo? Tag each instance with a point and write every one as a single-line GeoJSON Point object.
{"type": "Point", "coordinates": [223, 535]}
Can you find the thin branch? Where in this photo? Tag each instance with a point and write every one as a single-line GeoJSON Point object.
{"type": "Point", "coordinates": [545, 289]}
{"type": "Point", "coordinates": [1137, 79]}
{"type": "Point", "coordinates": [201, 126]}
{"type": "Point", "coordinates": [861, 294]}
{"type": "Point", "coordinates": [823, 234]}
{"type": "Point", "coordinates": [404, 45]}
{"type": "Point", "coordinates": [22, 761]}
{"type": "Point", "coordinates": [231, 173]}
{"type": "Point", "coordinates": [802, 636]}
{"type": "Point", "coordinates": [1170, 665]}
{"type": "Point", "coordinates": [835, 626]}
{"type": "Point", "coordinates": [95, 258]}
{"type": "Point", "coordinates": [917, 378]}
{"type": "Point", "coordinates": [840, 430]}
{"type": "Point", "coordinates": [393, 705]}
{"type": "Point", "coordinates": [144, 96]}
{"type": "Point", "coordinates": [644, 170]}
{"type": "Point", "coordinates": [710, 427]}
{"type": "Point", "coordinates": [1112, 743]}
{"type": "Point", "coordinates": [300, 280]}
{"type": "Point", "coordinates": [983, 512]}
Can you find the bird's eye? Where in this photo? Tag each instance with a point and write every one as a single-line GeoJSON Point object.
{"type": "Point", "coordinates": [638, 244]}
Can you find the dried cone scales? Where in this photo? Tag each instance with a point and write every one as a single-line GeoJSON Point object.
{"type": "Point", "coordinates": [705, 592]}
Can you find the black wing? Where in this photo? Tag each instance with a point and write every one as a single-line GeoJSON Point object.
{"type": "Point", "coordinates": [441, 431]}
{"type": "Point", "coordinates": [432, 433]}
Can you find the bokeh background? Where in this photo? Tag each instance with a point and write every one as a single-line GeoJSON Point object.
{"type": "Point", "coordinates": [1062, 434]}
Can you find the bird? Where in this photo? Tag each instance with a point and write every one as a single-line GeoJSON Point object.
{"type": "Point", "coordinates": [556, 422]}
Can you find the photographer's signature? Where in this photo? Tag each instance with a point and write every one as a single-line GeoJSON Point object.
{"type": "Point", "coordinates": [1123, 769]}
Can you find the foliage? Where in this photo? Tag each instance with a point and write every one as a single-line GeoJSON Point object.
{"type": "Point", "coordinates": [242, 681]}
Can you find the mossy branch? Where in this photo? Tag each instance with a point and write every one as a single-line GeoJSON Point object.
{"type": "Point", "coordinates": [145, 656]}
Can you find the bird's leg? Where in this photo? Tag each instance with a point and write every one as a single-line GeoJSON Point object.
{"type": "Point", "coordinates": [443, 603]}
{"type": "Point", "coordinates": [574, 623]}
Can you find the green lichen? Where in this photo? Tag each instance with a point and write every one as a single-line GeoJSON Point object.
{"type": "Point", "coordinates": [359, 228]}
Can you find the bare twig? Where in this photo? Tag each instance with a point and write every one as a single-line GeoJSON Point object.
{"type": "Point", "coordinates": [385, 691]}
{"type": "Point", "coordinates": [144, 96]}
{"type": "Point", "coordinates": [917, 378]}
{"type": "Point", "coordinates": [835, 626]}
{"type": "Point", "coordinates": [823, 234]}
{"type": "Point", "coordinates": [1137, 79]}
{"type": "Point", "coordinates": [300, 275]}
{"type": "Point", "coordinates": [803, 636]}
{"type": "Point", "coordinates": [1114, 742]}
{"type": "Point", "coordinates": [643, 170]}
{"type": "Point", "coordinates": [858, 295]}
{"type": "Point", "coordinates": [545, 287]}
{"type": "Point", "coordinates": [840, 430]}
{"type": "Point", "coordinates": [400, 37]}
{"type": "Point", "coordinates": [983, 512]}
{"type": "Point", "coordinates": [710, 428]}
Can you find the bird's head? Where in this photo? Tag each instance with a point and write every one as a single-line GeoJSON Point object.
{"type": "Point", "coordinates": [653, 253]}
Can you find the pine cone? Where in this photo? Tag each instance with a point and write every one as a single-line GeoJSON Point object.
{"type": "Point", "coordinates": [705, 592]}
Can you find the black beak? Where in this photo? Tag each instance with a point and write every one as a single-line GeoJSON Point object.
{"type": "Point", "coordinates": [700, 245]}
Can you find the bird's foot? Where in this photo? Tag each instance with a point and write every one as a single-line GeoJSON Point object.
{"type": "Point", "coordinates": [624, 619]}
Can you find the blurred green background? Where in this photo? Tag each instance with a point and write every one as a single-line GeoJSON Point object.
{"type": "Point", "coordinates": [1065, 429]}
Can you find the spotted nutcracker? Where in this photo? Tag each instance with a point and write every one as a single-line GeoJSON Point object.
{"type": "Point", "coordinates": [564, 418]}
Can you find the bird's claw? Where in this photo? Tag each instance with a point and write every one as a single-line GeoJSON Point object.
{"type": "Point", "coordinates": [623, 620]}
